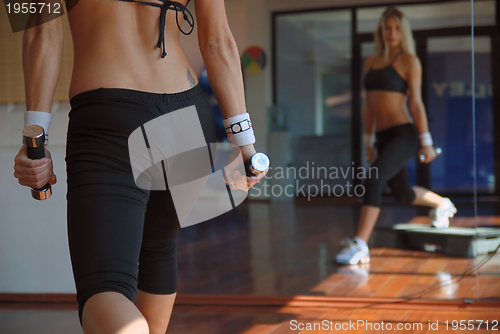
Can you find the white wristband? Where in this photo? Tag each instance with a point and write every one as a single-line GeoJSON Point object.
{"type": "Point", "coordinates": [38, 118]}
{"type": "Point", "coordinates": [426, 139]}
{"type": "Point", "coordinates": [369, 139]}
{"type": "Point", "coordinates": [239, 130]}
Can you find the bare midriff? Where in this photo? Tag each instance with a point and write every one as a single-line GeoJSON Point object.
{"type": "Point", "coordinates": [115, 47]}
{"type": "Point", "coordinates": [388, 109]}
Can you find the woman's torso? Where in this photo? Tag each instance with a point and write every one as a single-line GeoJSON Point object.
{"type": "Point", "coordinates": [115, 47]}
{"type": "Point", "coordinates": [388, 104]}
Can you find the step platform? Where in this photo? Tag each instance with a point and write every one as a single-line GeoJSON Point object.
{"type": "Point", "coordinates": [452, 241]}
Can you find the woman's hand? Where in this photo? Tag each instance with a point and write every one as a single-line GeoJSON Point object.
{"type": "Point", "coordinates": [242, 182]}
{"type": "Point", "coordinates": [428, 153]}
{"type": "Point", "coordinates": [371, 153]}
{"type": "Point", "coordinates": [33, 173]}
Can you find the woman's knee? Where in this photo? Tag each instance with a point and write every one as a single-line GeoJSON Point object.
{"type": "Point", "coordinates": [137, 326]}
{"type": "Point", "coordinates": [112, 312]}
{"type": "Point", "coordinates": [117, 282]}
{"type": "Point", "coordinates": [405, 197]}
{"type": "Point", "coordinates": [373, 192]}
{"type": "Point", "coordinates": [157, 309]}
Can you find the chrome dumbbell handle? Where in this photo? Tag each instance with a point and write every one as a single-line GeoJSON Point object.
{"type": "Point", "coordinates": [34, 139]}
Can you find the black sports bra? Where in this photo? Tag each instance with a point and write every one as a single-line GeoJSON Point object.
{"type": "Point", "coordinates": [385, 79]}
{"type": "Point", "coordinates": [172, 5]}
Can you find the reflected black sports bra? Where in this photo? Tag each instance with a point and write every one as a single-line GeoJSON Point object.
{"type": "Point", "coordinates": [385, 79]}
{"type": "Point", "coordinates": [169, 5]}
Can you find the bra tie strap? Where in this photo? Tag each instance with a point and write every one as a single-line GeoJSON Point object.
{"type": "Point", "coordinates": [169, 5]}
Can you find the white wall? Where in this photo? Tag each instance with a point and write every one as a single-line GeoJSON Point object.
{"type": "Point", "coordinates": [34, 254]}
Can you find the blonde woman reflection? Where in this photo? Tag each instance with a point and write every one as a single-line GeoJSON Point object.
{"type": "Point", "coordinates": [392, 76]}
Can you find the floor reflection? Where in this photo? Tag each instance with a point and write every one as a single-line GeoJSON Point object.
{"type": "Point", "coordinates": [286, 249]}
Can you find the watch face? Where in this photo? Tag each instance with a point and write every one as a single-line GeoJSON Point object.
{"type": "Point", "coordinates": [236, 128]}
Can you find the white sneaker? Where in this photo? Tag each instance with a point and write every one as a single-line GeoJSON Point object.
{"type": "Point", "coordinates": [353, 253]}
{"type": "Point", "coordinates": [441, 215]}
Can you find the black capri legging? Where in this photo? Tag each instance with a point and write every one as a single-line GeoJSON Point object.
{"type": "Point", "coordinates": [395, 147]}
{"type": "Point", "coordinates": [121, 237]}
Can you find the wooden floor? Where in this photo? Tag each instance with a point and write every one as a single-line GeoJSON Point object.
{"type": "Point", "coordinates": [62, 319]}
{"type": "Point", "coordinates": [282, 249]}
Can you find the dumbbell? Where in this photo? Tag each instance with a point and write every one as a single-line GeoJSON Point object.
{"type": "Point", "coordinates": [438, 152]}
{"type": "Point", "coordinates": [257, 164]}
{"type": "Point", "coordinates": [34, 139]}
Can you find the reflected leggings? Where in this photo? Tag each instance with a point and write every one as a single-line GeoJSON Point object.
{"type": "Point", "coordinates": [395, 147]}
{"type": "Point", "coordinates": [121, 237]}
